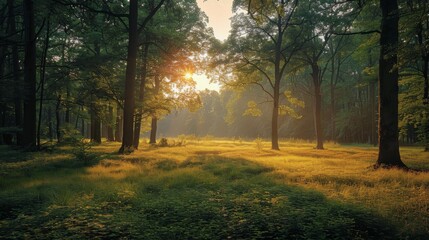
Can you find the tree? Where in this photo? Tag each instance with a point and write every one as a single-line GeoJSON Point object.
{"type": "Point", "coordinates": [29, 124]}
{"type": "Point", "coordinates": [130, 73]}
{"type": "Point", "coordinates": [261, 47]}
{"type": "Point", "coordinates": [388, 144]}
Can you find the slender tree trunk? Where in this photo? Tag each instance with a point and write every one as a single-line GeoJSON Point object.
{"type": "Point", "coordinates": [332, 91]}
{"type": "Point", "coordinates": [67, 114]}
{"type": "Point", "coordinates": [118, 125]}
{"type": "Point", "coordinates": [82, 130]}
{"type": "Point", "coordinates": [154, 128]}
{"type": "Point", "coordinates": [372, 114]}
{"type": "Point", "coordinates": [42, 81]}
{"type": "Point", "coordinates": [317, 105]}
{"type": "Point", "coordinates": [29, 126]}
{"type": "Point", "coordinates": [95, 125]}
{"type": "Point", "coordinates": [2, 105]}
{"type": "Point", "coordinates": [50, 130]}
{"type": "Point", "coordinates": [2, 91]}
{"type": "Point", "coordinates": [426, 99]}
{"type": "Point", "coordinates": [130, 75]}
{"type": "Point", "coordinates": [58, 119]}
{"type": "Point", "coordinates": [388, 154]}
{"type": "Point", "coordinates": [274, 121]}
{"type": "Point", "coordinates": [138, 122]}
{"type": "Point", "coordinates": [110, 135]}
{"type": "Point", "coordinates": [154, 124]}
{"type": "Point", "coordinates": [15, 68]}
{"type": "Point", "coordinates": [276, 88]}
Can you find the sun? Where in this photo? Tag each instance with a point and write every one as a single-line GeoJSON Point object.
{"type": "Point", "coordinates": [188, 75]}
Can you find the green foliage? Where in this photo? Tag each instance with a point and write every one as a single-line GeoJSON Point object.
{"type": "Point", "coordinates": [252, 109]}
{"type": "Point", "coordinates": [81, 150]}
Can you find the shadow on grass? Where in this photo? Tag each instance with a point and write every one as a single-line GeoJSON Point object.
{"type": "Point", "coordinates": [204, 197]}
{"type": "Point", "coordinates": [28, 180]}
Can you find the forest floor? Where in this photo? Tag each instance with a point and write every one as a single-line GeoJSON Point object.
{"type": "Point", "coordinates": [212, 189]}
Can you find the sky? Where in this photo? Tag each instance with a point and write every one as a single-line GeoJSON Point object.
{"type": "Point", "coordinates": [219, 13]}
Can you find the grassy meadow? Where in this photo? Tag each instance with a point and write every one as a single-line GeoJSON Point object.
{"type": "Point", "coordinates": [212, 189]}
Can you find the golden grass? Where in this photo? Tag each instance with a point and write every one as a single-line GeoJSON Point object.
{"type": "Point", "coordinates": [342, 173]}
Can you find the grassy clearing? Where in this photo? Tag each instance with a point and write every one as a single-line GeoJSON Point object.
{"type": "Point", "coordinates": [213, 189]}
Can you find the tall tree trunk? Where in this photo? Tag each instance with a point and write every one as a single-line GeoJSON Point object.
{"type": "Point", "coordinates": [50, 130]}
{"type": "Point", "coordinates": [372, 113]}
{"type": "Point", "coordinates": [42, 81]}
{"type": "Point", "coordinates": [138, 122]}
{"type": "Point", "coordinates": [154, 128]}
{"type": "Point", "coordinates": [95, 125]}
{"type": "Point", "coordinates": [332, 92]}
{"type": "Point", "coordinates": [67, 113]}
{"type": "Point", "coordinates": [154, 124]}
{"type": "Point", "coordinates": [15, 67]}
{"type": "Point", "coordinates": [388, 154]}
{"type": "Point", "coordinates": [82, 127]}
{"type": "Point", "coordinates": [110, 135]}
{"type": "Point", "coordinates": [276, 88]}
{"type": "Point", "coordinates": [317, 105]}
{"type": "Point", "coordinates": [425, 93]}
{"type": "Point", "coordinates": [130, 75]}
{"type": "Point", "coordinates": [58, 119]}
{"type": "Point", "coordinates": [274, 120]}
{"type": "Point", "coordinates": [29, 126]}
{"type": "Point", "coordinates": [118, 125]}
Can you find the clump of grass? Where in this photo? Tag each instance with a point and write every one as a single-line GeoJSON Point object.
{"type": "Point", "coordinates": [259, 144]}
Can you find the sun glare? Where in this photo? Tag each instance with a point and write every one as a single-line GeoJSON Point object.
{"type": "Point", "coordinates": [188, 75]}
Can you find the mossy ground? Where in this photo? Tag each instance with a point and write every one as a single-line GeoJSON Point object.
{"type": "Point", "coordinates": [213, 189]}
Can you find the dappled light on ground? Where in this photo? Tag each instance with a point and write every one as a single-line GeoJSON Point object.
{"type": "Point", "coordinates": [214, 189]}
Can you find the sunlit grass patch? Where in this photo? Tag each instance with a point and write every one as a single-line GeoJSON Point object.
{"type": "Point", "coordinates": [215, 189]}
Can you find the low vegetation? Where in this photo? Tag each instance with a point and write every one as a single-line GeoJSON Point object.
{"type": "Point", "coordinates": [212, 189]}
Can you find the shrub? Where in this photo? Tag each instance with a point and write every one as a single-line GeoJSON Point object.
{"type": "Point", "coordinates": [81, 150]}
{"type": "Point", "coordinates": [163, 142]}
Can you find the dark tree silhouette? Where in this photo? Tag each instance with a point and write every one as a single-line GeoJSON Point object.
{"type": "Point", "coordinates": [388, 143]}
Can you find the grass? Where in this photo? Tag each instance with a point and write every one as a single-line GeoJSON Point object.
{"type": "Point", "coordinates": [213, 189]}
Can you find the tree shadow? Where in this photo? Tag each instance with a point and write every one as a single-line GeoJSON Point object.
{"type": "Point", "coordinates": [203, 197]}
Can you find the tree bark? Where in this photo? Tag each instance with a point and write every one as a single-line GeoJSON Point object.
{"type": "Point", "coordinates": [15, 69]}
{"type": "Point", "coordinates": [388, 155]}
{"type": "Point", "coordinates": [110, 135]}
{"type": "Point", "coordinates": [317, 104]}
{"type": "Point", "coordinates": [42, 81]}
{"type": "Point", "coordinates": [332, 92]}
{"type": "Point", "coordinates": [118, 125]}
{"type": "Point", "coordinates": [58, 119]}
{"type": "Point", "coordinates": [95, 125]}
{"type": "Point", "coordinates": [50, 130]}
{"type": "Point", "coordinates": [154, 128]}
{"type": "Point", "coordinates": [154, 124]}
{"type": "Point", "coordinates": [143, 75]}
{"type": "Point", "coordinates": [29, 126]}
{"type": "Point", "coordinates": [276, 88]}
{"type": "Point", "coordinates": [130, 75]}
{"type": "Point", "coordinates": [372, 113]}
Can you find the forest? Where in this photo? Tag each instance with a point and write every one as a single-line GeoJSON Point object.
{"type": "Point", "coordinates": [319, 128]}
